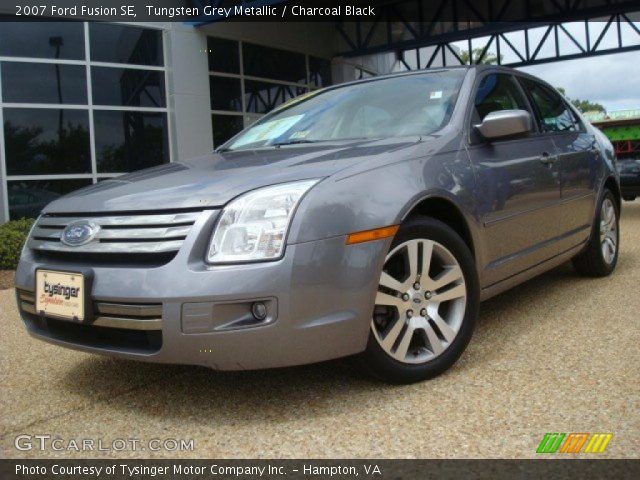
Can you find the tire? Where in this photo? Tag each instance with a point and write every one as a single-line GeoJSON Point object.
{"type": "Point", "coordinates": [593, 262]}
{"type": "Point", "coordinates": [432, 346]}
{"type": "Point", "coordinates": [629, 198]}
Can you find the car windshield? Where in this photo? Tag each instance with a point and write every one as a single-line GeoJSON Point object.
{"type": "Point", "coordinates": [390, 107]}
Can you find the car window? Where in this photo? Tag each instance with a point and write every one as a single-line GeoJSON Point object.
{"type": "Point", "coordinates": [497, 92]}
{"type": "Point", "coordinates": [388, 107]}
{"type": "Point", "coordinates": [555, 115]}
{"type": "Point", "coordinates": [367, 120]}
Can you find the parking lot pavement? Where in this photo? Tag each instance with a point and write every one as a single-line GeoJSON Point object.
{"type": "Point", "coordinates": [557, 354]}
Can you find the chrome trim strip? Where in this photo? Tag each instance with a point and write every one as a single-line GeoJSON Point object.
{"type": "Point", "coordinates": [121, 233]}
{"type": "Point", "coordinates": [160, 246]}
{"type": "Point", "coordinates": [110, 322]}
{"type": "Point", "coordinates": [129, 310]}
{"type": "Point", "coordinates": [27, 296]}
{"type": "Point", "coordinates": [123, 220]}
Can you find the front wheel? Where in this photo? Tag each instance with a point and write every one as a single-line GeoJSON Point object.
{"type": "Point", "coordinates": [426, 304]}
{"type": "Point", "coordinates": [601, 255]}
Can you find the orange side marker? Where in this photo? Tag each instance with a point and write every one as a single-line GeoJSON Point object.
{"type": "Point", "coordinates": [370, 235]}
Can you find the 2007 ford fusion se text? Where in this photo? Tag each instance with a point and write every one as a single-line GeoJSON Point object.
{"type": "Point", "coordinates": [368, 219]}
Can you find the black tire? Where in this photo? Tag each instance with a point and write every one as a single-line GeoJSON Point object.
{"type": "Point", "coordinates": [629, 198]}
{"type": "Point", "coordinates": [380, 364]}
{"type": "Point", "coordinates": [591, 262]}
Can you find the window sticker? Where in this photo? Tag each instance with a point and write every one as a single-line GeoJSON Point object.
{"type": "Point", "coordinates": [299, 134]}
{"type": "Point", "coordinates": [268, 130]}
{"type": "Point", "coordinates": [435, 95]}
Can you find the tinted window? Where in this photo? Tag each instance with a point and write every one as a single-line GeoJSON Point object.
{"type": "Point", "coordinates": [497, 92]}
{"type": "Point", "coordinates": [124, 44]}
{"type": "Point", "coordinates": [127, 141]}
{"type": "Point", "coordinates": [224, 55]}
{"type": "Point", "coordinates": [319, 72]}
{"type": "Point", "coordinates": [42, 39]}
{"type": "Point", "coordinates": [43, 83]}
{"type": "Point", "coordinates": [128, 87]}
{"type": "Point", "coordinates": [262, 97]}
{"type": "Point", "coordinates": [554, 113]}
{"type": "Point", "coordinates": [226, 93]}
{"type": "Point", "coordinates": [225, 127]}
{"type": "Point", "coordinates": [46, 141]}
{"type": "Point", "coordinates": [28, 198]}
{"type": "Point", "coordinates": [272, 63]}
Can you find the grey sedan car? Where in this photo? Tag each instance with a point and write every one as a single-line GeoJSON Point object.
{"type": "Point", "coordinates": [367, 219]}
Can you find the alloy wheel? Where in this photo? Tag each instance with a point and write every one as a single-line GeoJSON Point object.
{"type": "Point", "coordinates": [608, 231]}
{"type": "Point", "coordinates": [421, 301]}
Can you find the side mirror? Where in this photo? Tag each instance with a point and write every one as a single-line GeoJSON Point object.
{"type": "Point", "coordinates": [505, 123]}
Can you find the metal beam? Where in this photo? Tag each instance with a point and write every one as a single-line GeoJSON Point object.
{"type": "Point", "coordinates": [447, 21]}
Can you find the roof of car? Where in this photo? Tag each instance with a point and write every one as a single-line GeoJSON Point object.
{"type": "Point", "coordinates": [426, 71]}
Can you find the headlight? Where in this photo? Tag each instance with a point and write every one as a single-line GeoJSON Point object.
{"type": "Point", "coordinates": [254, 226]}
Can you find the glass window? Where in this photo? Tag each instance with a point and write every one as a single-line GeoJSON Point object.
{"type": "Point", "coordinates": [554, 113]}
{"type": "Point", "coordinates": [28, 198]}
{"type": "Point", "coordinates": [46, 141]}
{"type": "Point", "coordinates": [262, 97]}
{"type": "Point", "coordinates": [125, 44]}
{"type": "Point", "coordinates": [128, 87]}
{"type": "Point", "coordinates": [226, 93]}
{"type": "Point", "coordinates": [394, 107]}
{"type": "Point", "coordinates": [224, 55]}
{"type": "Point", "coordinates": [43, 83]}
{"type": "Point", "coordinates": [42, 40]}
{"type": "Point", "coordinates": [225, 127]}
{"type": "Point", "coordinates": [319, 72]}
{"type": "Point", "coordinates": [275, 64]}
{"type": "Point", "coordinates": [497, 92]}
{"type": "Point", "coordinates": [127, 141]}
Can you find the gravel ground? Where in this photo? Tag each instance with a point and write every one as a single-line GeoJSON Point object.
{"type": "Point", "coordinates": [557, 354]}
{"type": "Point", "coordinates": [6, 279]}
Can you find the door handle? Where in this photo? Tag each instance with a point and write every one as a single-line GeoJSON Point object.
{"type": "Point", "coordinates": [548, 159]}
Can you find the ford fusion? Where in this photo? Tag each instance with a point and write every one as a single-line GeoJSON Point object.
{"type": "Point", "coordinates": [368, 219]}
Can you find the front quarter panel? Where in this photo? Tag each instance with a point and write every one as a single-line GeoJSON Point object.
{"type": "Point", "coordinates": [385, 194]}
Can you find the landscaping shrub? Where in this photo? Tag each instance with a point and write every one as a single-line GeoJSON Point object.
{"type": "Point", "coordinates": [13, 234]}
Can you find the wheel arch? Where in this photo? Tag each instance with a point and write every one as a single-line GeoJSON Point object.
{"type": "Point", "coordinates": [612, 184]}
{"type": "Point", "coordinates": [446, 211]}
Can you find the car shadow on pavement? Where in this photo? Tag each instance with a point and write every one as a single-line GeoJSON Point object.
{"type": "Point", "coordinates": [190, 393]}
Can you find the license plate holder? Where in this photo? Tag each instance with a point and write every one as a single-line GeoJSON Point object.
{"type": "Point", "coordinates": [62, 295]}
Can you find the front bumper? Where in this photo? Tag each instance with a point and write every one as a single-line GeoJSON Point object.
{"type": "Point", "coordinates": [319, 296]}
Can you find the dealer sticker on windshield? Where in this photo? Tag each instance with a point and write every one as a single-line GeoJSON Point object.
{"type": "Point", "coordinates": [60, 294]}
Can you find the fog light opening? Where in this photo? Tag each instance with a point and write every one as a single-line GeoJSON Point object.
{"type": "Point", "coordinates": [259, 310]}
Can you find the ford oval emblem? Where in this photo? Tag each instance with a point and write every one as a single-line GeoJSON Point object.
{"type": "Point", "coordinates": [79, 233]}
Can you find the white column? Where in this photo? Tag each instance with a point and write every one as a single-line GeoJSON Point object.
{"type": "Point", "coordinates": [188, 91]}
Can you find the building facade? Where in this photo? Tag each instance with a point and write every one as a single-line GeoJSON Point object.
{"type": "Point", "coordinates": [81, 102]}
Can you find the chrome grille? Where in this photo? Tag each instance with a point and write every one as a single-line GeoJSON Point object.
{"type": "Point", "coordinates": [121, 233]}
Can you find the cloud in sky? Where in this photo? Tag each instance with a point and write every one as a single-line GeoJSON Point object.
{"type": "Point", "coordinates": [612, 80]}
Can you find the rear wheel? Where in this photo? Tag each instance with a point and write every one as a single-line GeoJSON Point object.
{"type": "Point", "coordinates": [426, 305]}
{"type": "Point", "coordinates": [601, 255]}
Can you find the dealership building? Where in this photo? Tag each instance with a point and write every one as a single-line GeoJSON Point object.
{"type": "Point", "coordinates": [82, 101]}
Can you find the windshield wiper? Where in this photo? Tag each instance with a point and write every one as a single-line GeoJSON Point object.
{"type": "Point", "coordinates": [294, 142]}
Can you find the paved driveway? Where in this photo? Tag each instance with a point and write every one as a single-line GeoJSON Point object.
{"type": "Point", "coordinates": [557, 354]}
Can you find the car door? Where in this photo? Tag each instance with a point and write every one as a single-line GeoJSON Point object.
{"type": "Point", "coordinates": [517, 182]}
{"type": "Point", "coordinates": [577, 161]}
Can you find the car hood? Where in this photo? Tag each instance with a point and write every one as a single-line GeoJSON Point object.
{"type": "Point", "coordinates": [213, 180]}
